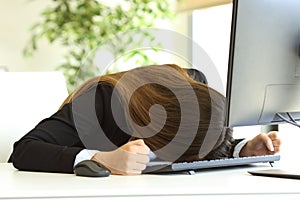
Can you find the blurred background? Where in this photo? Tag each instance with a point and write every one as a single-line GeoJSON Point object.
{"type": "Point", "coordinates": [57, 45]}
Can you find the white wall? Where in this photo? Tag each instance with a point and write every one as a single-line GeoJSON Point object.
{"type": "Point", "coordinates": [211, 30]}
{"type": "Point", "coordinates": [16, 17]}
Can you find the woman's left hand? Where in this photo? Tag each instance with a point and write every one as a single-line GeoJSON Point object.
{"type": "Point", "coordinates": [262, 144]}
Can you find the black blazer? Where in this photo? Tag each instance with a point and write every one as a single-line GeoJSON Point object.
{"type": "Point", "coordinates": [54, 143]}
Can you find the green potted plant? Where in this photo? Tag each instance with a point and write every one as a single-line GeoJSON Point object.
{"type": "Point", "coordinates": [83, 25]}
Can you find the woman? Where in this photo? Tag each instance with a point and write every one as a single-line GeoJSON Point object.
{"type": "Point", "coordinates": [118, 119]}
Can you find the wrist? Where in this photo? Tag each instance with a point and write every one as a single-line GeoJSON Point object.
{"type": "Point", "coordinates": [102, 158]}
{"type": "Point", "coordinates": [246, 150]}
{"type": "Point", "coordinates": [99, 157]}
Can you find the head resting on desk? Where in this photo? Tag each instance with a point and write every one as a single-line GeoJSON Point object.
{"type": "Point", "coordinates": [179, 117]}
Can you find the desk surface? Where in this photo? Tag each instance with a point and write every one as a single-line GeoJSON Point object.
{"type": "Point", "coordinates": [230, 183]}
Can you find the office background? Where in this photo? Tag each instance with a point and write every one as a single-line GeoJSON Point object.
{"type": "Point", "coordinates": [210, 27]}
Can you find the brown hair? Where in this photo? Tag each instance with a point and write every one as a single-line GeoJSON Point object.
{"type": "Point", "coordinates": [201, 122]}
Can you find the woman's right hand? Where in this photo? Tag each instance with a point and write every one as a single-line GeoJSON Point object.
{"type": "Point", "coordinates": [129, 159]}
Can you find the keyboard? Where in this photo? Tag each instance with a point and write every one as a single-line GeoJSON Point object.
{"type": "Point", "coordinates": [163, 166]}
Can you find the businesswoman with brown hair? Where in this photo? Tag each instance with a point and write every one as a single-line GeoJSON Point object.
{"type": "Point", "coordinates": [118, 120]}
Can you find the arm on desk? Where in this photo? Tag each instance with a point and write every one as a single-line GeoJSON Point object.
{"type": "Point", "coordinates": [262, 144]}
{"type": "Point", "coordinates": [47, 147]}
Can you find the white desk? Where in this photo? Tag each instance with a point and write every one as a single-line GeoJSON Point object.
{"type": "Point", "coordinates": [231, 184]}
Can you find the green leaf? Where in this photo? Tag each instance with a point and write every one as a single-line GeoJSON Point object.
{"type": "Point", "coordinates": [83, 25]}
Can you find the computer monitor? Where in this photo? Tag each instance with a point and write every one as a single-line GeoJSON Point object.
{"type": "Point", "coordinates": [264, 62]}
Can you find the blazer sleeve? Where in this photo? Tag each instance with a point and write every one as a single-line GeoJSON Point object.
{"type": "Point", "coordinates": [53, 144]}
{"type": "Point", "coordinates": [233, 149]}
